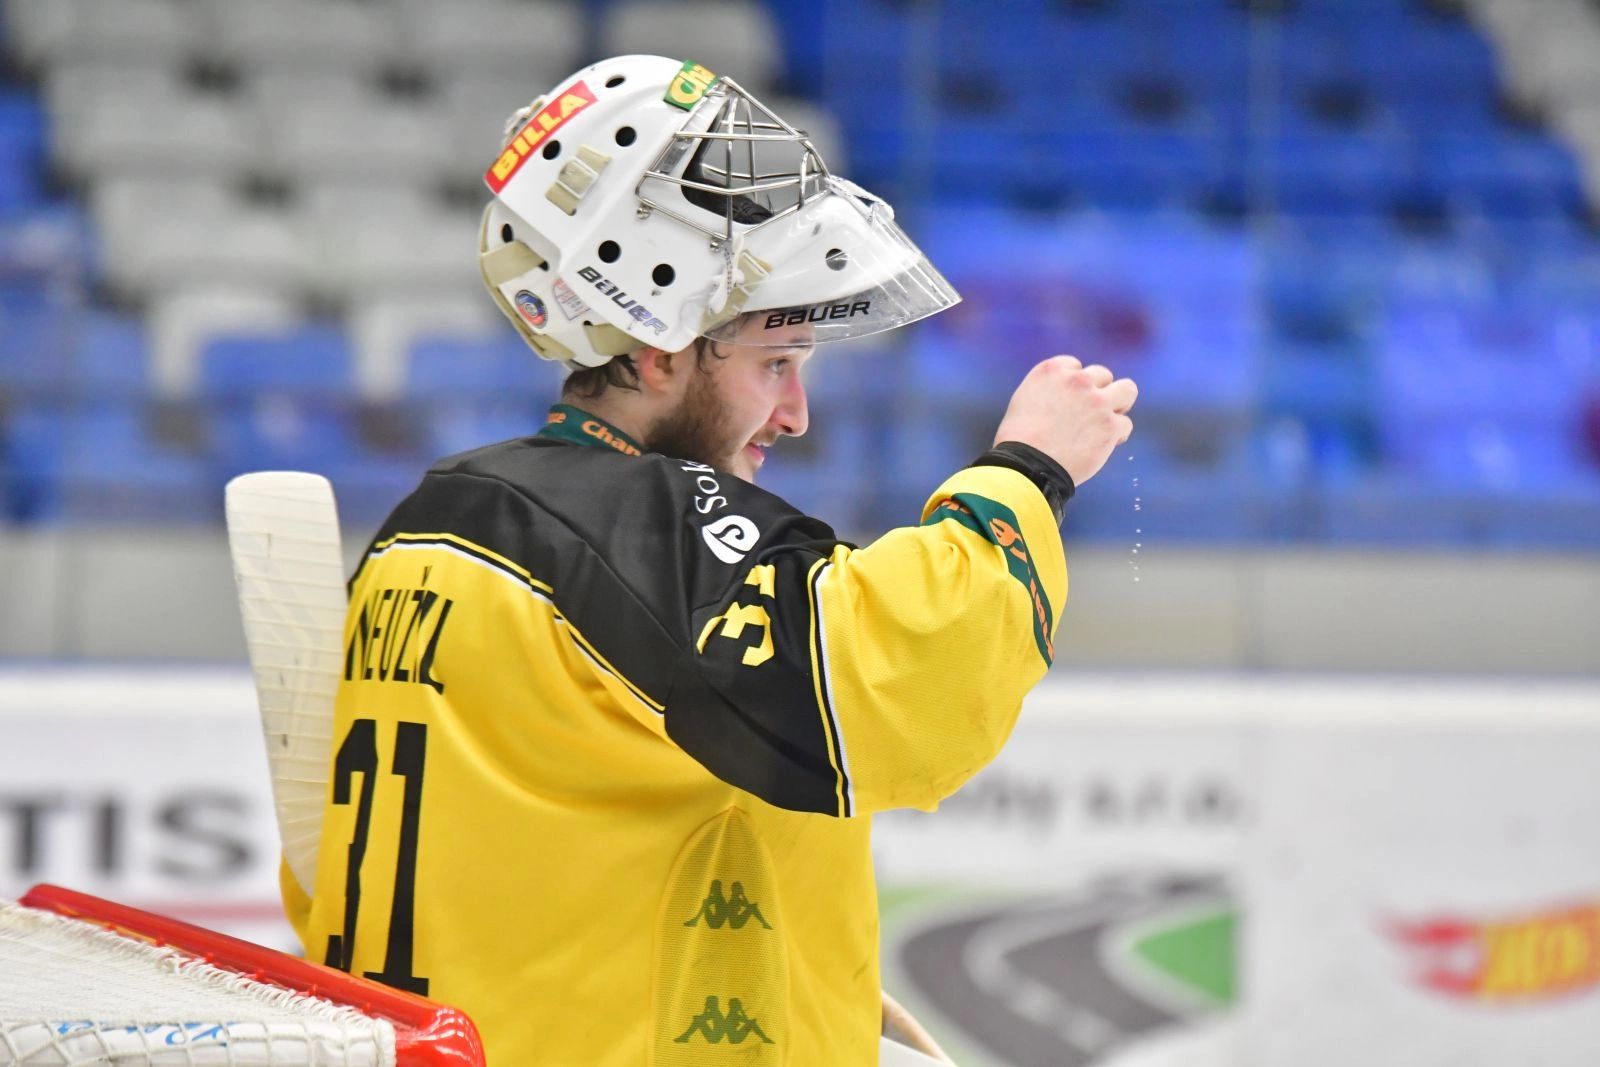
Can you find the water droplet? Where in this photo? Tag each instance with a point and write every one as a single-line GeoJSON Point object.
{"type": "Point", "coordinates": [1136, 577]}
{"type": "Point", "coordinates": [1137, 530]}
{"type": "Point", "coordinates": [1136, 552]}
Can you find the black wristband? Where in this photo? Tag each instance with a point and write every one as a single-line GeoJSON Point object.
{"type": "Point", "coordinates": [1051, 477]}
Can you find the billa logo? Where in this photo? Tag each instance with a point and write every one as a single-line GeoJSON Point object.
{"type": "Point", "coordinates": [534, 132]}
{"type": "Point", "coordinates": [1538, 957]}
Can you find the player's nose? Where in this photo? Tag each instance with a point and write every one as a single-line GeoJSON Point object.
{"type": "Point", "coordinates": [793, 415]}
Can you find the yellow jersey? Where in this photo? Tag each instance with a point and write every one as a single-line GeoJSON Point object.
{"type": "Point", "coordinates": [611, 729]}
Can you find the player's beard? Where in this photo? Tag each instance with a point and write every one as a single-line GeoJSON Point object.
{"type": "Point", "coordinates": [698, 428]}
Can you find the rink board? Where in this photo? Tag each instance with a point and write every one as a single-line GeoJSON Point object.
{"type": "Point", "coordinates": [1409, 862]}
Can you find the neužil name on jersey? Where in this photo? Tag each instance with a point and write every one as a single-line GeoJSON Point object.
{"type": "Point", "coordinates": [621, 299]}
{"type": "Point", "coordinates": [396, 638]}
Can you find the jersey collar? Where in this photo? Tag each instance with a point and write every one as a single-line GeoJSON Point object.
{"type": "Point", "coordinates": [567, 423]}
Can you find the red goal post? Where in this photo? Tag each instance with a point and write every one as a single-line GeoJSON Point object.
{"type": "Point", "coordinates": [426, 1034]}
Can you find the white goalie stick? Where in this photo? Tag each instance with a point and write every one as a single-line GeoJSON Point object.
{"type": "Point", "coordinates": [283, 534]}
{"type": "Point", "coordinates": [893, 1054]}
{"type": "Point", "coordinates": [905, 1043]}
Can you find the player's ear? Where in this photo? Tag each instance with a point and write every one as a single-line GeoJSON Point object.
{"type": "Point", "coordinates": [659, 370]}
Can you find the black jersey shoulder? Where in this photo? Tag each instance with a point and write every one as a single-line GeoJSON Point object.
{"type": "Point", "coordinates": [633, 547]}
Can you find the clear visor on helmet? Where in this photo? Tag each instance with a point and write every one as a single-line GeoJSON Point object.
{"type": "Point", "coordinates": [879, 281]}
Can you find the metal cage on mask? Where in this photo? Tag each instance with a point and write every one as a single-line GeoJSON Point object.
{"type": "Point", "coordinates": [728, 173]}
{"type": "Point", "coordinates": [752, 171]}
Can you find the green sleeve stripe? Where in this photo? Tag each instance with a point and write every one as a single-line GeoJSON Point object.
{"type": "Point", "coordinates": [948, 511]}
{"type": "Point", "coordinates": [998, 525]}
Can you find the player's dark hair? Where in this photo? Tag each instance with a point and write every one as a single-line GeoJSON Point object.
{"type": "Point", "coordinates": [588, 383]}
{"type": "Point", "coordinates": [622, 373]}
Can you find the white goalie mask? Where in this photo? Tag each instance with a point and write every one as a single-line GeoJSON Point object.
{"type": "Point", "coordinates": [645, 201]}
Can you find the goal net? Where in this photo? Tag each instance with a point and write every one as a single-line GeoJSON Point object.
{"type": "Point", "coordinates": [84, 981]}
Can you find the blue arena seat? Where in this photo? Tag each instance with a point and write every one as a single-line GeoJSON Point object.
{"type": "Point", "coordinates": [312, 360]}
{"type": "Point", "coordinates": [112, 469]}
{"type": "Point", "coordinates": [30, 462]}
{"type": "Point", "coordinates": [22, 133]}
{"type": "Point", "coordinates": [33, 338]}
{"type": "Point", "coordinates": [280, 432]}
{"type": "Point", "coordinates": [110, 356]}
{"type": "Point", "coordinates": [497, 364]}
{"type": "Point", "coordinates": [456, 425]}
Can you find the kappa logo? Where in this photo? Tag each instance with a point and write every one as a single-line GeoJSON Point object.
{"type": "Point", "coordinates": [549, 119]}
{"type": "Point", "coordinates": [733, 910]}
{"type": "Point", "coordinates": [731, 537]}
{"type": "Point", "coordinates": [716, 1027]}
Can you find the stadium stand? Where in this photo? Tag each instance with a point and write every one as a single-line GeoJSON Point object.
{"type": "Point", "coordinates": [1348, 247]}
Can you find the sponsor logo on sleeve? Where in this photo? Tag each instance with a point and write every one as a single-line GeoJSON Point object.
{"type": "Point", "coordinates": [730, 537]}
{"type": "Point", "coordinates": [548, 120]}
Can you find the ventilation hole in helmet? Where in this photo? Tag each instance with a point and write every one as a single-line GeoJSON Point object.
{"type": "Point", "coordinates": [609, 251]}
{"type": "Point", "coordinates": [552, 150]}
{"type": "Point", "coordinates": [615, 80]}
{"type": "Point", "coordinates": [625, 136]}
{"type": "Point", "coordinates": [663, 275]}
{"type": "Point", "coordinates": [507, 234]}
{"type": "Point", "coordinates": [544, 266]}
{"type": "Point", "coordinates": [837, 259]}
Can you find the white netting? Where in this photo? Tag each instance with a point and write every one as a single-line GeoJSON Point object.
{"type": "Point", "coordinates": [73, 993]}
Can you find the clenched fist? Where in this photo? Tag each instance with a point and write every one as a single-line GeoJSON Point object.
{"type": "Point", "coordinates": [1074, 414]}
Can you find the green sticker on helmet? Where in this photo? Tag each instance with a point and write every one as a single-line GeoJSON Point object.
{"type": "Point", "coordinates": [689, 85]}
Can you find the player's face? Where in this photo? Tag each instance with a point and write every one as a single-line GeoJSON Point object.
{"type": "Point", "coordinates": [738, 401]}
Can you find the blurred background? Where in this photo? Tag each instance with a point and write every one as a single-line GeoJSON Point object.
{"type": "Point", "coordinates": [1341, 592]}
{"type": "Point", "coordinates": [1348, 248]}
